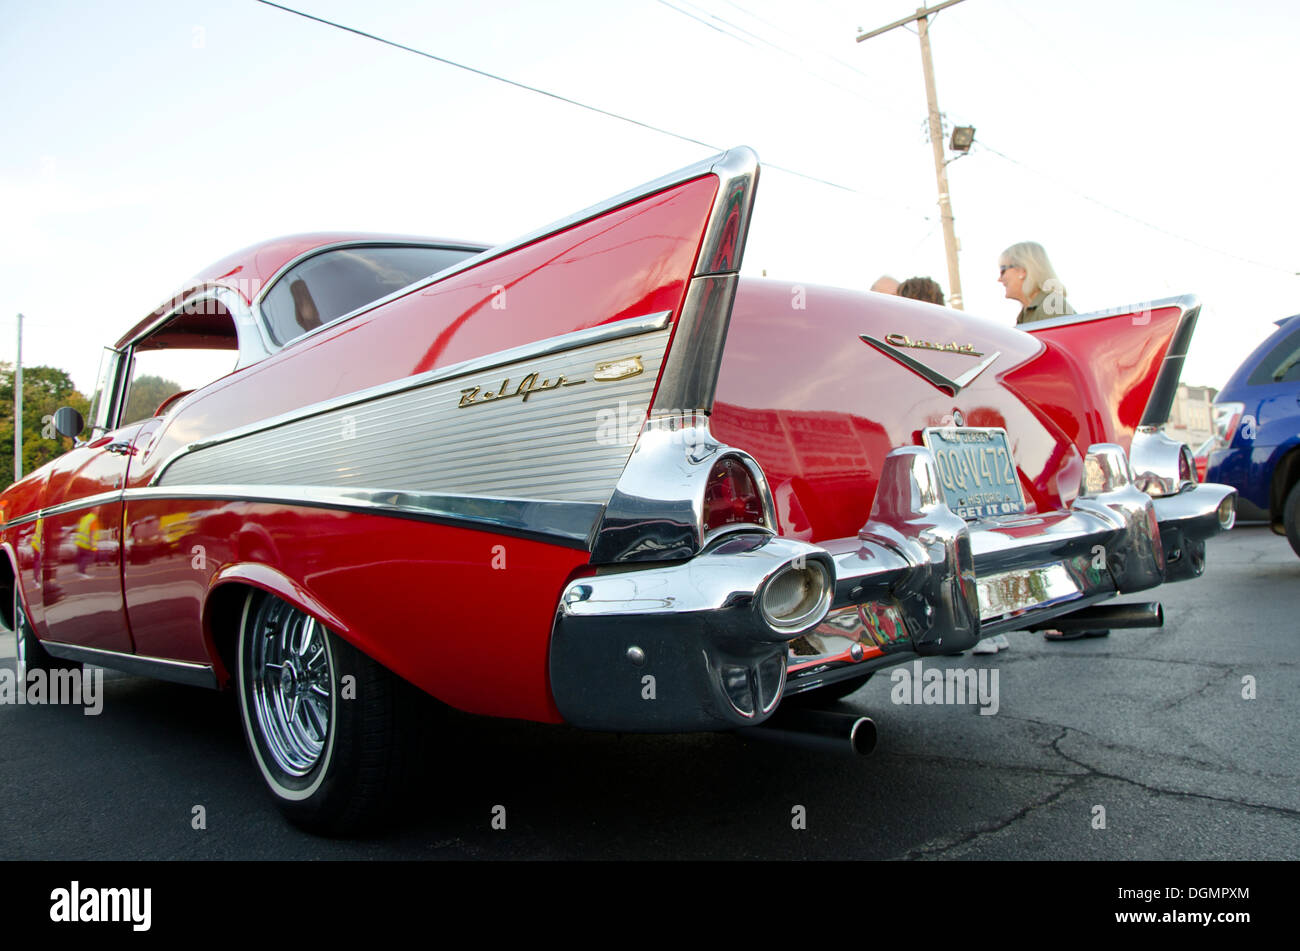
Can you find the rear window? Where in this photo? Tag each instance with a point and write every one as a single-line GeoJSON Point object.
{"type": "Point", "coordinates": [1281, 365]}
{"type": "Point", "coordinates": [328, 285]}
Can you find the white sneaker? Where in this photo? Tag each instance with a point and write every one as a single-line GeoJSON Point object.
{"type": "Point", "coordinates": [987, 646]}
{"type": "Point", "coordinates": [1001, 641]}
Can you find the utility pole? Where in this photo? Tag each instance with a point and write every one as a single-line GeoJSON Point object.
{"type": "Point", "coordinates": [936, 139]}
{"type": "Point", "coordinates": [18, 405]}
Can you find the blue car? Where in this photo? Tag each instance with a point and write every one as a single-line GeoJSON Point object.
{"type": "Point", "coordinates": [1257, 433]}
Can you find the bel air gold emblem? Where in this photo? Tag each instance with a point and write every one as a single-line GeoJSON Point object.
{"type": "Point", "coordinates": [474, 395]}
{"type": "Point", "coordinates": [618, 369]}
{"type": "Point", "coordinates": [903, 340]}
{"type": "Point", "coordinates": [605, 371]}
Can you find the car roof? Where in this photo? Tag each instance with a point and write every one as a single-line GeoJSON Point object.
{"type": "Point", "coordinates": [1237, 383]}
{"type": "Point", "coordinates": [248, 270]}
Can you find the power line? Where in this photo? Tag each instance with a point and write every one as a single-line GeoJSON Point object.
{"type": "Point", "coordinates": [711, 26]}
{"type": "Point", "coordinates": [816, 52]}
{"type": "Point", "coordinates": [1058, 182]}
{"type": "Point", "coordinates": [486, 74]}
{"type": "Point", "coordinates": [551, 95]}
{"type": "Point", "coordinates": [1124, 214]}
{"type": "Point", "coordinates": [708, 145]}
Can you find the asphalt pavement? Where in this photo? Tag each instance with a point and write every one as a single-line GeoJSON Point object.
{"type": "Point", "coordinates": [1179, 743]}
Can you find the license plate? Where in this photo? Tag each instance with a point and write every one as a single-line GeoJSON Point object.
{"type": "Point", "coordinates": [976, 469]}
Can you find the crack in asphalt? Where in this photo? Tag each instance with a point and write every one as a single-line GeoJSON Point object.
{"type": "Point", "coordinates": [1166, 756]}
{"type": "Point", "coordinates": [1075, 779]}
{"type": "Point", "coordinates": [924, 851]}
{"type": "Point", "coordinates": [1224, 675]}
{"type": "Point", "coordinates": [1094, 771]}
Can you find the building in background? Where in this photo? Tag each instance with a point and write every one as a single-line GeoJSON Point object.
{"type": "Point", "coordinates": [1189, 421]}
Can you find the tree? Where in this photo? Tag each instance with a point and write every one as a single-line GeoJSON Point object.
{"type": "Point", "coordinates": [45, 389]}
{"type": "Point", "coordinates": [147, 394]}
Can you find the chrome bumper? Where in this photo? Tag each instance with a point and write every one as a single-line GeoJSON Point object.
{"type": "Point", "coordinates": [684, 647]}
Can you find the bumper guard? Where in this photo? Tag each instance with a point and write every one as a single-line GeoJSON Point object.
{"type": "Point", "coordinates": [684, 646]}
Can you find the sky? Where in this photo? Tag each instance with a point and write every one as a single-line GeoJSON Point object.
{"type": "Point", "coordinates": [1148, 146]}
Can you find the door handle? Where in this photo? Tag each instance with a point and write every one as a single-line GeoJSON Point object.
{"type": "Point", "coordinates": [121, 448]}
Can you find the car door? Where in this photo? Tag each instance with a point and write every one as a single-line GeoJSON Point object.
{"type": "Point", "coordinates": [81, 534]}
{"type": "Point", "coordinates": [1275, 392]}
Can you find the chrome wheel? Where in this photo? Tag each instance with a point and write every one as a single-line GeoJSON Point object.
{"type": "Point", "coordinates": [290, 675]}
{"type": "Point", "coordinates": [328, 727]}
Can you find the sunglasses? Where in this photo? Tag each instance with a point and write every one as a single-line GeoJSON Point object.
{"type": "Point", "coordinates": [1003, 268]}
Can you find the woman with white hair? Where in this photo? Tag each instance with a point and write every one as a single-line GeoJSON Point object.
{"type": "Point", "coordinates": [1027, 275]}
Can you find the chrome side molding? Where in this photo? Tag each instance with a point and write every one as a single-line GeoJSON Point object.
{"type": "Point", "coordinates": [159, 668]}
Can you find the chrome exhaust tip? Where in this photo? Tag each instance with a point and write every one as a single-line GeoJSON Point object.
{"type": "Point", "coordinates": [820, 730]}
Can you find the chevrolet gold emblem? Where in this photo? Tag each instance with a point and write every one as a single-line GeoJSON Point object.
{"type": "Point", "coordinates": [618, 369]}
{"type": "Point", "coordinates": [950, 385]}
{"type": "Point", "coordinates": [903, 340]}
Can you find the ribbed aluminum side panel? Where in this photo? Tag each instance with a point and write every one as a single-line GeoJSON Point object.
{"type": "Point", "coordinates": [550, 446]}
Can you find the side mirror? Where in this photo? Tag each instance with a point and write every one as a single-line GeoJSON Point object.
{"type": "Point", "coordinates": [68, 422]}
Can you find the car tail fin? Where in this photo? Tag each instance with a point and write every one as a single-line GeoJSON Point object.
{"type": "Point", "coordinates": [690, 373]}
{"type": "Point", "coordinates": [1125, 364]}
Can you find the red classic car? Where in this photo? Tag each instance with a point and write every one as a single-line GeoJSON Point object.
{"type": "Point", "coordinates": [692, 496]}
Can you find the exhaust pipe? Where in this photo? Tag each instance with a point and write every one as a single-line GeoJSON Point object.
{"type": "Point", "coordinates": [819, 730]}
{"type": "Point", "coordinates": [1107, 617]}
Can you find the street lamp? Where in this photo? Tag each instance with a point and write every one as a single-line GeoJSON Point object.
{"type": "Point", "coordinates": [962, 137]}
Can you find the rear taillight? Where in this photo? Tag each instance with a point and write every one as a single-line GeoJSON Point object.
{"type": "Point", "coordinates": [1227, 417]}
{"type": "Point", "coordinates": [731, 496]}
